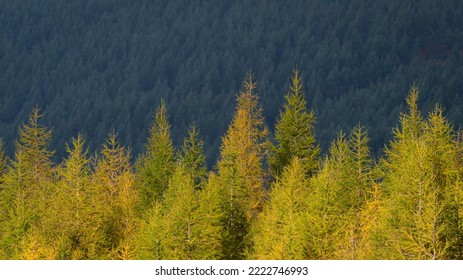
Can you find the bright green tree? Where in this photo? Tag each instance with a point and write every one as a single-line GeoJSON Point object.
{"type": "Point", "coordinates": [154, 168]}
{"type": "Point", "coordinates": [294, 132]}
{"type": "Point", "coordinates": [193, 157]}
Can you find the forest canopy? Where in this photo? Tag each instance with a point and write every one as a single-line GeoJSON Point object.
{"type": "Point", "coordinates": [266, 198]}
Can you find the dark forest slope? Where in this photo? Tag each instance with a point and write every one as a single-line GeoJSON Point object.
{"type": "Point", "coordinates": [97, 65]}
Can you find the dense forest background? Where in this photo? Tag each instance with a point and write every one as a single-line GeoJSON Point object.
{"type": "Point", "coordinates": [94, 66]}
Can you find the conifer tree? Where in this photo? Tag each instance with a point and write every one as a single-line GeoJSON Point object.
{"type": "Point", "coordinates": [3, 161]}
{"type": "Point", "coordinates": [331, 200]}
{"type": "Point", "coordinates": [416, 184]}
{"type": "Point", "coordinates": [281, 231]}
{"type": "Point", "coordinates": [74, 224]}
{"type": "Point", "coordinates": [193, 157]}
{"type": "Point", "coordinates": [186, 224]}
{"type": "Point", "coordinates": [340, 192]}
{"type": "Point", "coordinates": [27, 184]}
{"type": "Point", "coordinates": [155, 167]}
{"type": "Point", "coordinates": [240, 170]}
{"type": "Point", "coordinates": [370, 226]}
{"type": "Point", "coordinates": [294, 132]}
{"type": "Point", "coordinates": [117, 198]}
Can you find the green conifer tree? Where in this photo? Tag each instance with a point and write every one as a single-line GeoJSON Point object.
{"type": "Point", "coordinates": [193, 157]}
{"type": "Point", "coordinates": [155, 167]}
{"type": "Point", "coordinates": [294, 132]}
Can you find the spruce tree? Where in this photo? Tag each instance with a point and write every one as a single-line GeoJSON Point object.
{"type": "Point", "coordinates": [155, 167]}
{"type": "Point", "coordinates": [193, 157]}
{"type": "Point", "coordinates": [294, 132]}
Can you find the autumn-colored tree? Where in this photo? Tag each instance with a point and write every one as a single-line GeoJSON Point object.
{"type": "Point", "coordinates": [416, 177]}
{"type": "Point", "coordinates": [27, 184]}
{"type": "Point", "coordinates": [240, 170]}
{"type": "Point", "coordinates": [282, 230]}
{"type": "Point", "coordinates": [117, 198]}
{"type": "Point", "coordinates": [185, 225]}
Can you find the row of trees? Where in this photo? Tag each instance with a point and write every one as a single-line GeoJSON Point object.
{"type": "Point", "coordinates": [268, 197]}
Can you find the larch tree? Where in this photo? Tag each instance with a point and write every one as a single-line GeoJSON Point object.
{"type": "Point", "coordinates": [193, 157]}
{"type": "Point", "coordinates": [331, 200]}
{"type": "Point", "coordinates": [281, 232]}
{"type": "Point", "coordinates": [27, 184]}
{"type": "Point", "coordinates": [340, 192]}
{"type": "Point", "coordinates": [75, 225]}
{"type": "Point", "coordinates": [415, 184]}
{"type": "Point", "coordinates": [241, 171]}
{"type": "Point", "coordinates": [155, 167]}
{"type": "Point", "coordinates": [117, 199]}
{"type": "Point", "coordinates": [294, 132]}
{"type": "Point", "coordinates": [185, 224]}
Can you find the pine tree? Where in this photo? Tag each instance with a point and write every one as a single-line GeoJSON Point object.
{"type": "Point", "coordinates": [281, 231]}
{"type": "Point", "coordinates": [240, 170]}
{"type": "Point", "coordinates": [294, 132]}
{"type": "Point", "coordinates": [155, 167]}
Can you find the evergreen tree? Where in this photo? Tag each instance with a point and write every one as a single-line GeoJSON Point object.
{"type": "Point", "coordinates": [294, 132]}
{"type": "Point", "coordinates": [155, 167]}
{"type": "Point", "coordinates": [241, 174]}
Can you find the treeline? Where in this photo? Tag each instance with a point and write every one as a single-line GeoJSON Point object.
{"type": "Point", "coordinates": [268, 197]}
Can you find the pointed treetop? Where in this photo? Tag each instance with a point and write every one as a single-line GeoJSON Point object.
{"type": "Point", "coordinates": [412, 101]}
{"type": "Point", "coordinates": [249, 82]}
{"type": "Point", "coordinates": [296, 82]}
